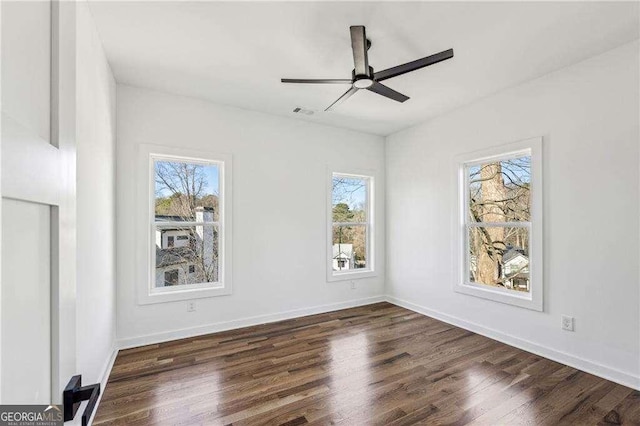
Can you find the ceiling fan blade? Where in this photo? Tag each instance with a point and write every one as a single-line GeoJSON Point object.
{"type": "Point", "coordinates": [342, 98]}
{"type": "Point", "coordinates": [414, 65]}
{"type": "Point", "coordinates": [359, 47]}
{"type": "Point", "coordinates": [317, 81]}
{"type": "Point", "coordinates": [383, 90]}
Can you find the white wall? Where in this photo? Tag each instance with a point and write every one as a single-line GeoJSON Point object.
{"type": "Point", "coordinates": [95, 126]}
{"type": "Point", "coordinates": [588, 115]}
{"type": "Point", "coordinates": [279, 187]}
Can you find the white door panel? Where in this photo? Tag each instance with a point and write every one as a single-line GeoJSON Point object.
{"type": "Point", "coordinates": [26, 303]}
{"type": "Point", "coordinates": [26, 64]}
{"type": "Point", "coordinates": [20, 147]}
{"type": "Point", "coordinates": [25, 311]}
{"type": "Point", "coordinates": [37, 186]}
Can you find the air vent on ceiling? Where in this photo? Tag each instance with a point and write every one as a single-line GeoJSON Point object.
{"type": "Point", "coordinates": [304, 111]}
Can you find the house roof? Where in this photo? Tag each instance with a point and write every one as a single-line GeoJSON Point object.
{"type": "Point", "coordinates": [342, 250]}
{"type": "Point", "coordinates": [173, 229]}
{"type": "Point", "coordinates": [169, 218]}
{"type": "Point", "coordinates": [512, 254]}
{"type": "Point", "coordinates": [174, 256]}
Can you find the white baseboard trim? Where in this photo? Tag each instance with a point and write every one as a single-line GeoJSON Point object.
{"type": "Point", "coordinates": [104, 378]}
{"type": "Point", "coordinates": [591, 367]}
{"type": "Point", "coordinates": [242, 322]}
{"type": "Point", "coordinates": [106, 371]}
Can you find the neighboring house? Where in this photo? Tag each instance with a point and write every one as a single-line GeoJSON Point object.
{"type": "Point", "coordinates": [175, 266]}
{"type": "Point", "coordinates": [169, 238]}
{"type": "Point", "coordinates": [343, 257]}
{"type": "Point", "coordinates": [515, 269]}
{"type": "Point", "coordinates": [182, 255]}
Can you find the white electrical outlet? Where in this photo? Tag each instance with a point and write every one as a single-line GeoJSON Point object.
{"type": "Point", "coordinates": [353, 285]}
{"type": "Point", "coordinates": [567, 323]}
{"type": "Point", "coordinates": [191, 306]}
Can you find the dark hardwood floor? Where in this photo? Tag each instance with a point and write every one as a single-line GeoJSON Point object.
{"type": "Point", "coordinates": [374, 365]}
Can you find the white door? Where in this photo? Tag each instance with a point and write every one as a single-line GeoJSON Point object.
{"type": "Point", "coordinates": [37, 185]}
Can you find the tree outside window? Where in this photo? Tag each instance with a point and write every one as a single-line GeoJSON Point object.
{"type": "Point", "coordinates": [498, 223]}
{"type": "Point", "coordinates": [350, 222]}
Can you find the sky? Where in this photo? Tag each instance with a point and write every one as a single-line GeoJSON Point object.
{"type": "Point", "coordinates": [521, 173]}
{"type": "Point", "coordinates": [351, 191]}
{"type": "Point", "coordinates": [212, 180]}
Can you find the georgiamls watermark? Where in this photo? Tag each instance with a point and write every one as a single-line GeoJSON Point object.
{"type": "Point", "coordinates": [31, 415]}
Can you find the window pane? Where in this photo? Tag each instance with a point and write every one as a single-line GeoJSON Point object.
{"type": "Point", "coordinates": [186, 191]}
{"type": "Point", "coordinates": [186, 255]}
{"type": "Point", "coordinates": [349, 247]}
{"type": "Point", "coordinates": [499, 256]}
{"type": "Point", "coordinates": [349, 198]}
{"type": "Point", "coordinates": [500, 191]}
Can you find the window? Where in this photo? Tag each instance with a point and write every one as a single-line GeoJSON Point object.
{"type": "Point", "coordinates": [187, 230]}
{"type": "Point", "coordinates": [187, 200]}
{"type": "Point", "coordinates": [171, 277]}
{"type": "Point", "coordinates": [351, 227]}
{"type": "Point", "coordinates": [500, 224]}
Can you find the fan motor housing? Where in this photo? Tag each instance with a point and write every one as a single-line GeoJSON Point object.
{"type": "Point", "coordinates": [355, 77]}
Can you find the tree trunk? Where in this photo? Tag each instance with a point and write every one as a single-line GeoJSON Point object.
{"type": "Point", "coordinates": [489, 255]}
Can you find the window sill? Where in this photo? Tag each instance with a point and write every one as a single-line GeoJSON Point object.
{"type": "Point", "coordinates": [346, 276]}
{"type": "Point", "coordinates": [180, 295]}
{"type": "Point", "coordinates": [509, 297]}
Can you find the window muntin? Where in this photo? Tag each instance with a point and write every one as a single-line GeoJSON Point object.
{"type": "Point", "coordinates": [351, 224]}
{"type": "Point", "coordinates": [186, 224]}
{"type": "Point", "coordinates": [498, 222]}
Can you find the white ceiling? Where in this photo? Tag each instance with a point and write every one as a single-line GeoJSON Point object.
{"type": "Point", "coordinates": [236, 53]}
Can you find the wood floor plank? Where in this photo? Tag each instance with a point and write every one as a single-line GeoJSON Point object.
{"type": "Point", "coordinates": [372, 365]}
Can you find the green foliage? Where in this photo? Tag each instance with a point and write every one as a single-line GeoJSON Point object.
{"type": "Point", "coordinates": [163, 206]}
{"type": "Point", "coordinates": [342, 213]}
{"type": "Point", "coordinates": [349, 234]}
{"type": "Point", "coordinates": [177, 205]}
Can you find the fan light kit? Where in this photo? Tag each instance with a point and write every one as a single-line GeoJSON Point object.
{"type": "Point", "coordinates": [363, 83]}
{"type": "Point", "coordinates": [363, 76]}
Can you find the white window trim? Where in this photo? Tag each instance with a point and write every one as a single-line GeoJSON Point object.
{"type": "Point", "coordinates": [370, 271]}
{"type": "Point", "coordinates": [145, 217]}
{"type": "Point", "coordinates": [534, 299]}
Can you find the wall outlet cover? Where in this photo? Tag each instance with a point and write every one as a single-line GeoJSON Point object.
{"type": "Point", "coordinates": [567, 323]}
